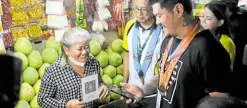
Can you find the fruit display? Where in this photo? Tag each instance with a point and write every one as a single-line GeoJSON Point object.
{"type": "Point", "coordinates": [17, 3]}
{"type": "Point", "coordinates": [111, 63]}
{"type": "Point", "coordinates": [31, 2]}
{"type": "Point", "coordinates": [18, 32]}
{"type": "Point", "coordinates": [19, 14]}
{"type": "Point", "coordinates": [18, 18]}
{"type": "Point", "coordinates": [33, 66]}
{"type": "Point", "coordinates": [34, 31]}
{"type": "Point", "coordinates": [36, 11]}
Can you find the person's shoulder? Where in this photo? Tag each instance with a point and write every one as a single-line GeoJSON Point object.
{"type": "Point", "coordinates": [92, 60]}
{"type": "Point", "coordinates": [56, 66]}
{"type": "Point", "coordinates": [205, 41]}
{"type": "Point", "coordinates": [203, 37]}
{"type": "Point", "coordinates": [130, 23]}
{"type": "Point", "coordinates": [226, 39]}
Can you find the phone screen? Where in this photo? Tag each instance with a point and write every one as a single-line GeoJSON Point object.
{"type": "Point", "coordinates": [122, 93]}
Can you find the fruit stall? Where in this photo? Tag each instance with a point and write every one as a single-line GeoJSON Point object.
{"type": "Point", "coordinates": [32, 30]}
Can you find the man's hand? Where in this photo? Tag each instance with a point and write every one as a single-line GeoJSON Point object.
{"type": "Point", "coordinates": [103, 91]}
{"type": "Point", "coordinates": [133, 89]}
{"type": "Point", "coordinates": [75, 104]}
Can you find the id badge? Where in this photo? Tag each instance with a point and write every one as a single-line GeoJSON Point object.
{"type": "Point", "coordinates": [90, 88]}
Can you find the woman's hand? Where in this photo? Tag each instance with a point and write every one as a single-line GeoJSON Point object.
{"type": "Point", "coordinates": [103, 91]}
{"type": "Point", "coordinates": [75, 104]}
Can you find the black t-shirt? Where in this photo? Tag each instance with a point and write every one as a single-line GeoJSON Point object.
{"type": "Point", "coordinates": [203, 68]}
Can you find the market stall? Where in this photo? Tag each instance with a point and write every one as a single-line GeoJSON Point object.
{"type": "Point", "coordinates": [32, 30]}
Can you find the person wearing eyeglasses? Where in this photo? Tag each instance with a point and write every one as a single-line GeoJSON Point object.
{"type": "Point", "coordinates": [193, 63]}
{"type": "Point", "coordinates": [61, 86]}
{"type": "Point", "coordinates": [142, 39]}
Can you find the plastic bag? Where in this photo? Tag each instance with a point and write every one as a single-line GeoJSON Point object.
{"type": "Point", "coordinates": [36, 11]}
{"type": "Point", "coordinates": [104, 13]}
{"type": "Point", "coordinates": [98, 36]}
{"type": "Point", "coordinates": [103, 3]}
{"type": "Point", "coordinates": [105, 25]}
{"type": "Point", "coordinates": [31, 2]}
{"type": "Point", "coordinates": [19, 14]}
{"type": "Point", "coordinates": [18, 32]}
{"type": "Point", "coordinates": [58, 10]}
{"type": "Point", "coordinates": [17, 3]}
{"type": "Point", "coordinates": [34, 30]}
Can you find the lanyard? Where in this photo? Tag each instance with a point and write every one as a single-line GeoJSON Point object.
{"type": "Point", "coordinates": [140, 50]}
{"type": "Point", "coordinates": [141, 47]}
{"type": "Point", "coordinates": [167, 68]}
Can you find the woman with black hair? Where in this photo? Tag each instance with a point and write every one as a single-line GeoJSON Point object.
{"type": "Point", "coordinates": [215, 18]}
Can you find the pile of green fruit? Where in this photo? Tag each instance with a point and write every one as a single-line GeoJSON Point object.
{"type": "Point", "coordinates": [34, 64]}
{"type": "Point", "coordinates": [111, 63]}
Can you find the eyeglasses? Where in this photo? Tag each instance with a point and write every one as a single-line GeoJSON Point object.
{"type": "Point", "coordinates": [144, 11]}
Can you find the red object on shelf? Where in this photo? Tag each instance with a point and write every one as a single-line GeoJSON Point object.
{"type": "Point", "coordinates": [8, 41]}
{"type": "Point", "coordinates": [6, 21]}
{"type": "Point", "coordinates": [112, 25]}
{"type": "Point", "coordinates": [5, 6]}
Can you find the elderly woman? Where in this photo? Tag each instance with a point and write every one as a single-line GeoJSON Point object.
{"type": "Point", "coordinates": [61, 85]}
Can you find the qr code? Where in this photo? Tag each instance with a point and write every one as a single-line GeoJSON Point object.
{"type": "Point", "coordinates": [90, 86]}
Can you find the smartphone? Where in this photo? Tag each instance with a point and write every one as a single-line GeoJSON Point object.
{"type": "Point", "coordinates": [126, 95]}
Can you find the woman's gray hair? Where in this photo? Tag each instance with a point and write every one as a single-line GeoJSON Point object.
{"type": "Point", "coordinates": [73, 34]}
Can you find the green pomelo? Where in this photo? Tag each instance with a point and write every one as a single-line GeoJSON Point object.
{"type": "Point", "coordinates": [110, 71]}
{"type": "Point", "coordinates": [23, 45]}
{"type": "Point", "coordinates": [30, 75]}
{"type": "Point", "coordinates": [49, 55]}
{"type": "Point", "coordinates": [22, 104]}
{"type": "Point", "coordinates": [116, 46]}
{"type": "Point", "coordinates": [52, 43]}
{"type": "Point", "coordinates": [23, 58]}
{"type": "Point", "coordinates": [26, 92]}
{"type": "Point", "coordinates": [102, 57]}
{"type": "Point", "coordinates": [120, 70]}
{"type": "Point", "coordinates": [35, 60]}
{"type": "Point", "coordinates": [115, 59]}
{"type": "Point", "coordinates": [101, 72]}
{"type": "Point", "coordinates": [117, 80]}
{"type": "Point", "coordinates": [95, 47]}
{"type": "Point", "coordinates": [42, 69]}
{"type": "Point", "coordinates": [34, 102]}
{"type": "Point", "coordinates": [107, 80]}
{"type": "Point", "coordinates": [114, 96]}
{"type": "Point", "coordinates": [36, 86]}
